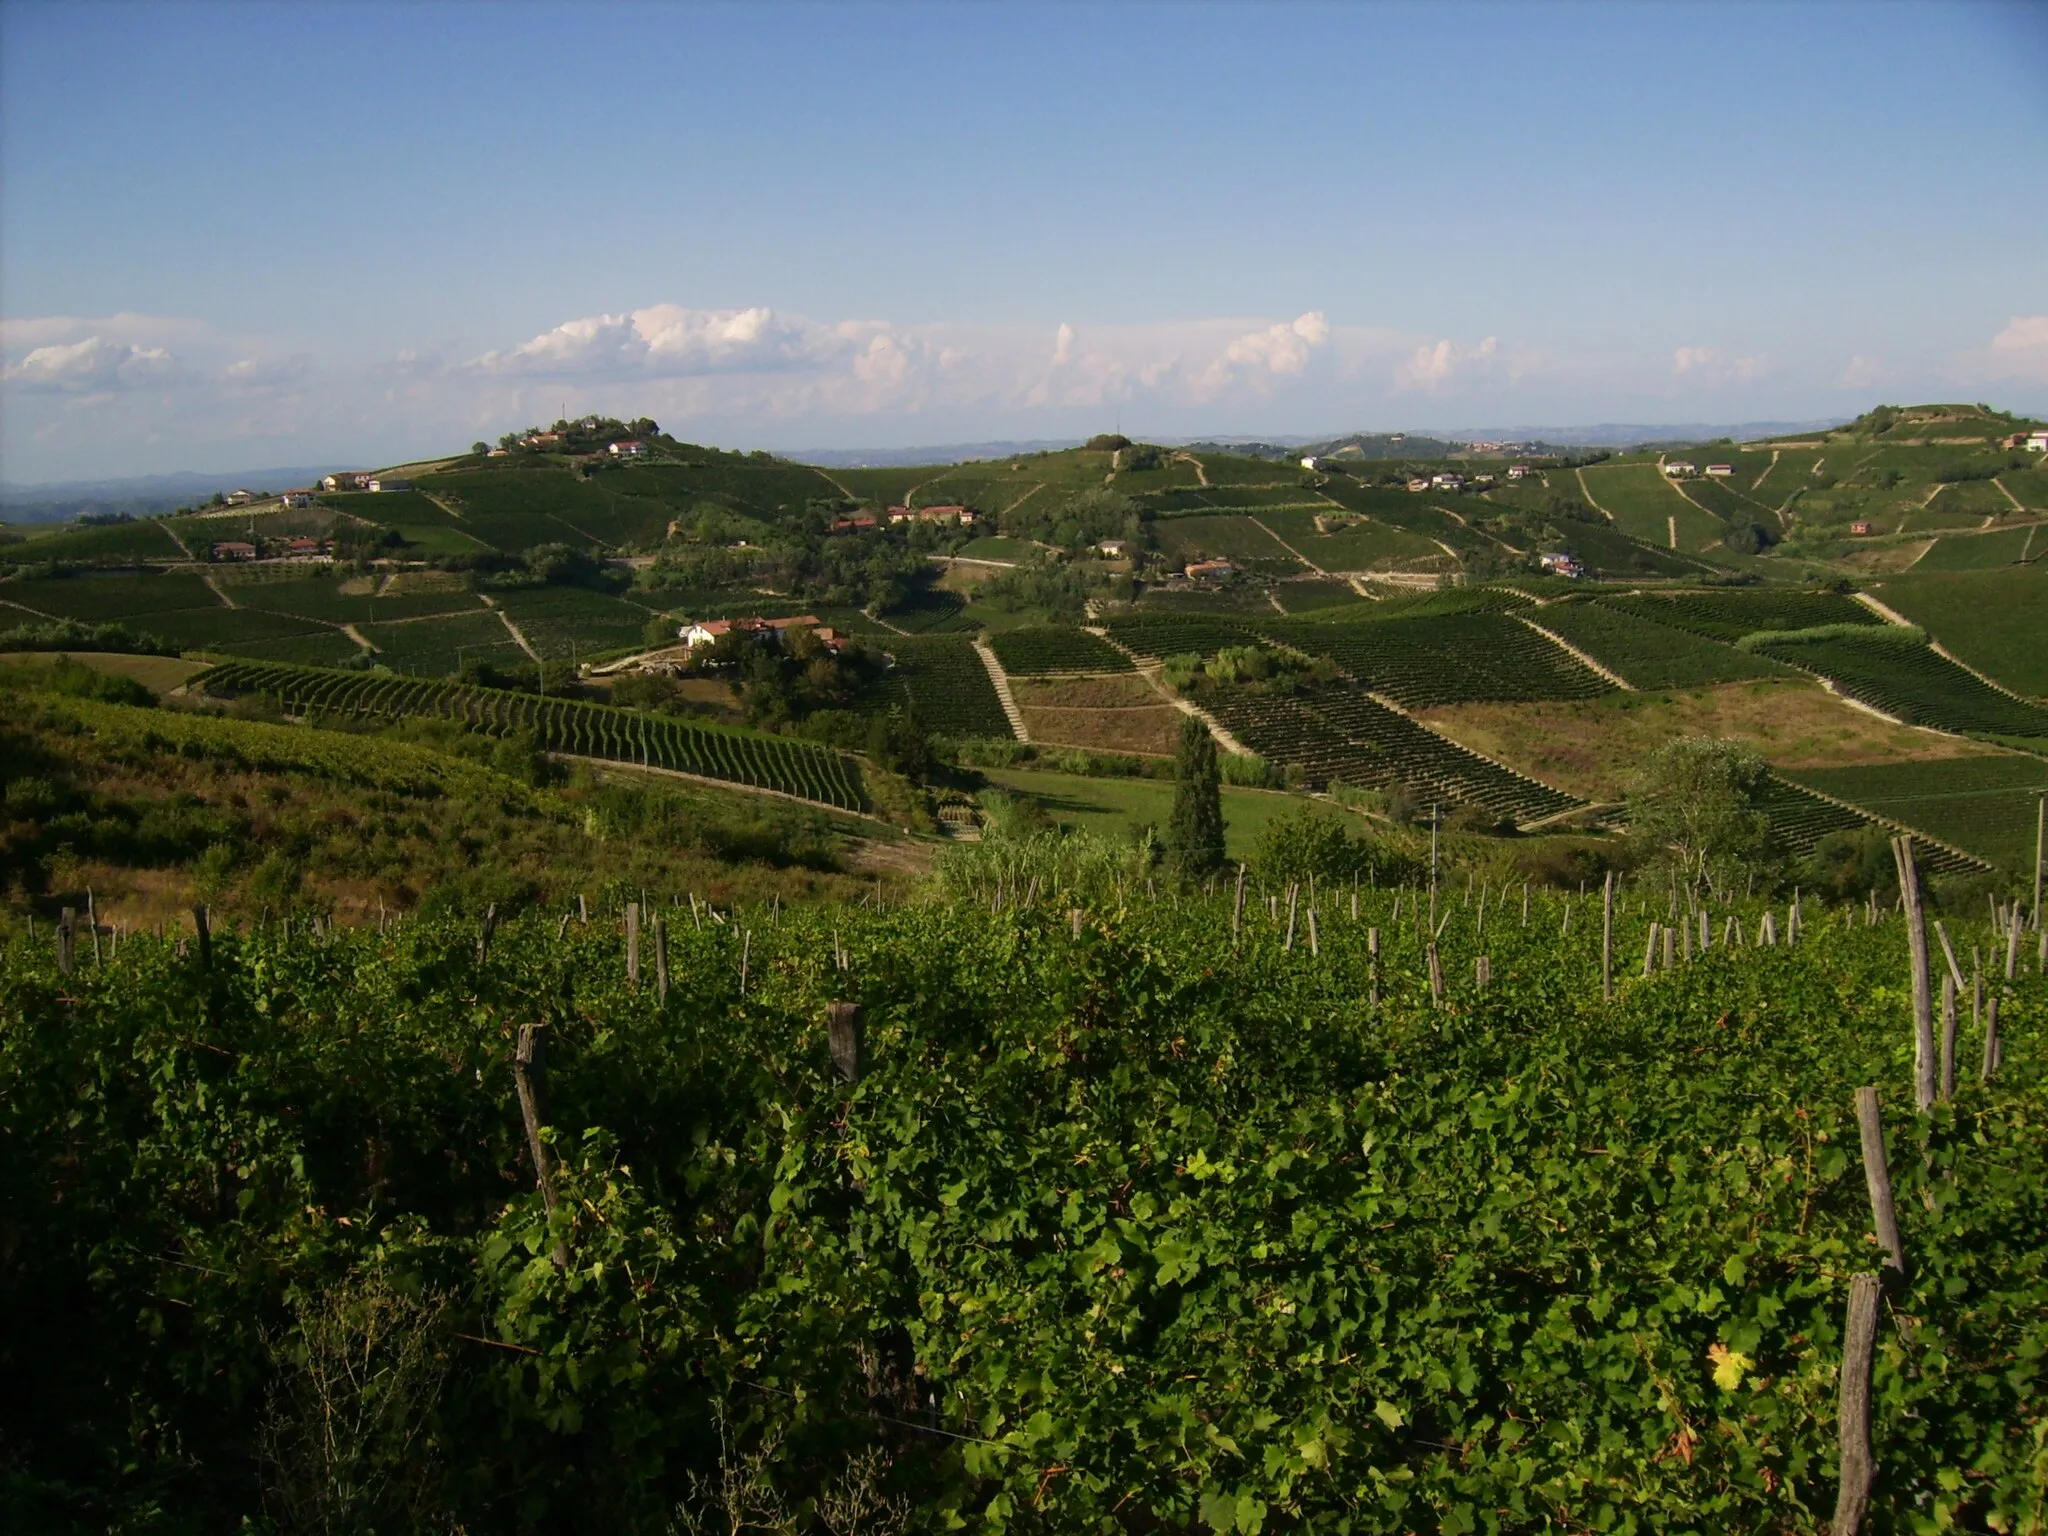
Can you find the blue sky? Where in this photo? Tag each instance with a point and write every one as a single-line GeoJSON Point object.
{"type": "Point", "coordinates": [257, 234]}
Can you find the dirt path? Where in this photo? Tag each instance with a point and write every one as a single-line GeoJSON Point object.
{"type": "Point", "coordinates": [1587, 491]}
{"type": "Point", "coordinates": [1758, 484]}
{"type": "Point", "coordinates": [2017, 506]}
{"type": "Point", "coordinates": [218, 591]}
{"type": "Point", "coordinates": [1578, 655]}
{"type": "Point", "coordinates": [1001, 679]}
{"type": "Point", "coordinates": [1201, 469]}
{"type": "Point", "coordinates": [513, 630]}
{"type": "Point", "coordinates": [357, 635]}
{"type": "Point", "coordinates": [1304, 559]}
{"type": "Point", "coordinates": [1671, 529]}
{"type": "Point", "coordinates": [165, 524]}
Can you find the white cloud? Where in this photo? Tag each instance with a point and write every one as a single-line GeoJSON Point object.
{"type": "Point", "coordinates": [1280, 350]}
{"type": "Point", "coordinates": [1430, 367]}
{"type": "Point", "coordinates": [1062, 344]}
{"type": "Point", "coordinates": [671, 341]}
{"type": "Point", "coordinates": [1705, 366]}
{"type": "Point", "coordinates": [2020, 352]}
{"type": "Point", "coordinates": [92, 365]}
{"type": "Point", "coordinates": [1865, 373]}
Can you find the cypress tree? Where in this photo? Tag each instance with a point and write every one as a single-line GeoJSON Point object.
{"type": "Point", "coordinates": [1194, 835]}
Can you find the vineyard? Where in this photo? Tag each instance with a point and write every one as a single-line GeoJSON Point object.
{"type": "Point", "coordinates": [1647, 654]}
{"type": "Point", "coordinates": [1036, 652]}
{"type": "Point", "coordinates": [1800, 819]}
{"type": "Point", "coordinates": [796, 768]}
{"type": "Point", "coordinates": [1913, 683]}
{"type": "Point", "coordinates": [1984, 805]}
{"type": "Point", "coordinates": [1447, 659]}
{"type": "Point", "coordinates": [1732, 614]}
{"type": "Point", "coordinates": [1347, 1210]}
{"type": "Point", "coordinates": [945, 678]}
{"type": "Point", "coordinates": [1340, 735]}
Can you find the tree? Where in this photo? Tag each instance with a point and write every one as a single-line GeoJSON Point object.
{"type": "Point", "coordinates": [897, 742]}
{"type": "Point", "coordinates": [1699, 801]}
{"type": "Point", "coordinates": [1194, 834]}
{"type": "Point", "coordinates": [479, 447]}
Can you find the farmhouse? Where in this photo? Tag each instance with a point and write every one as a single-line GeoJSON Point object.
{"type": "Point", "coordinates": [859, 523]}
{"type": "Point", "coordinates": [629, 450]}
{"type": "Point", "coordinates": [239, 498]}
{"type": "Point", "coordinates": [234, 551]}
{"type": "Point", "coordinates": [1678, 467]}
{"type": "Point", "coordinates": [382, 484]}
{"type": "Point", "coordinates": [952, 512]}
{"type": "Point", "coordinates": [765, 631]}
{"type": "Point", "coordinates": [1114, 549]}
{"type": "Point", "coordinates": [347, 480]}
{"type": "Point", "coordinates": [1859, 526]}
{"type": "Point", "coordinates": [1418, 484]}
{"type": "Point", "coordinates": [1310, 462]}
{"type": "Point", "coordinates": [303, 547]}
{"type": "Point", "coordinates": [540, 439]}
{"type": "Point", "coordinates": [294, 501]}
{"type": "Point", "coordinates": [2037, 442]}
{"type": "Point", "coordinates": [1721, 471]}
{"type": "Point", "coordinates": [1563, 565]}
{"type": "Point", "coordinates": [1447, 481]}
{"type": "Point", "coordinates": [1210, 570]}
{"type": "Point", "coordinates": [1519, 471]}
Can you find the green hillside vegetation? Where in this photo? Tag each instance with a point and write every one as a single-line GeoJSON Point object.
{"type": "Point", "coordinates": [1645, 653]}
{"type": "Point", "coordinates": [1983, 805]}
{"type": "Point", "coordinates": [1893, 671]}
{"type": "Point", "coordinates": [1994, 621]}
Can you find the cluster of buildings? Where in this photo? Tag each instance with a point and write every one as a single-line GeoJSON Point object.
{"type": "Point", "coordinates": [1562, 565]}
{"type": "Point", "coordinates": [231, 550]}
{"type": "Point", "coordinates": [1680, 469]}
{"type": "Point", "coordinates": [1451, 480]}
{"type": "Point", "coordinates": [763, 631]}
{"type": "Point", "coordinates": [2033, 440]}
{"type": "Point", "coordinates": [966, 517]}
{"type": "Point", "coordinates": [357, 480]}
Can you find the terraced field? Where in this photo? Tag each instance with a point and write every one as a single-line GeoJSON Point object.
{"type": "Point", "coordinates": [566, 622]}
{"type": "Point", "coordinates": [1647, 654]}
{"type": "Point", "coordinates": [1237, 539]}
{"type": "Point", "coordinates": [1912, 683]}
{"type": "Point", "coordinates": [1446, 659]}
{"type": "Point", "coordinates": [1340, 735]}
{"type": "Point", "coordinates": [1154, 637]}
{"type": "Point", "coordinates": [1983, 805]}
{"type": "Point", "coordinates": [1038, 652]}
{"type": "Point", "coordinates": [558, 725]}
{"type": "Point", "coordinates": [1993, 620]}
{"type": "Point", "coordinates": [437, 647]}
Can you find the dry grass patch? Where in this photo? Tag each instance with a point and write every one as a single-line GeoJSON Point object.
{"type": "Point", "coordinates": [1590, 748]}
{"type": "Point", "coordinates": [1120, 690]}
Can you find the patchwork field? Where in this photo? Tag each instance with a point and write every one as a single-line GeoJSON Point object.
{"type": "Point", "coordinates": [1109, 713]}
{"type": "Point", "coordinates": [1913, 683]}
{"type": "Point", "coordinates": [1996, 621]}
{"type": "Point", "coordinates": [1240, 539]}
{"type": "Point", "coordinates": [1646, 654]}
{"type": "Point", "coordinates": [1119, 807]}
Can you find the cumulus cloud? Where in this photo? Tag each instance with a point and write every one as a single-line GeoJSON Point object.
{"type": "Point", "coordinates": [92, 365]}
{"type": "Point", "coordinates": [1430, 367]}
{"type": "Point", "coordinates": [1063, 344]}
{"type": "Point", "coordinates": [1865, 373]}
{"type": "Point", "coordinates": [671, 341]}
{"type": "Point", "coordinates": [2020, 351]}
{"type": "Point", "coordinates": [1704, 365]}
{"type": "Point", "coordinates": [1281, 349]}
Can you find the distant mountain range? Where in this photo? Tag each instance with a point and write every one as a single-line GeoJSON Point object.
{"type": "Point", "coordinates": [140, 495]}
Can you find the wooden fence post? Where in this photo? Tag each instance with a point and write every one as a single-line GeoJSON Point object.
{"type": "Point", "coordinates": [67, 939]}
{"type": "Point", "coordinates": [484, 931]}
{"type": "Point", "coordinates": [1293, 898]}
{"type": "Point", "coordinates": [1313, 947]}
{"type": "Point", "coordinates": [1859, 1347]}
{"type": "Point", "coordinates": [844, 1032]}
{"type": "Point", "coordinates": [1237, 906]}
{"type": "Point", "coordinates": [1482, 972]}
{"type": "Point", "coordinates": [1877, 1177]}
{"type": "Point", "coordinates": [1650, 951]}
{"type": "Point", "coordinates": [1923, 981]}
{"type": "Point", "coordinates": [1606, 935]}
{"type": "Point", "coordinates": [633, 942]}
{"type": "Point", "coordinates": [582, 909]}
{"type": "Point", "coordinates": [1668, 948]}
{"type": "Point", "coordinates": [1436, 974]}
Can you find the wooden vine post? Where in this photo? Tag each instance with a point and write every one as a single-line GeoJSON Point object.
{"type": "Point", "coordinates": [1372, 949]}
{"type": "Point", "coordinates": [529, 1078]}
{"type": "Point", "coordinates": [847, 1038]}
{"type": "Point", "coordinates": [67, 939]}
{"type": "Point", "coordinates": [1237, 908]}
{"type": "Point", "coordinates": [1606, 935]}
{"type": "Point", "coordinates": [1859, 1333]}
{"type": "Point", "coordinates": [661, 959]}
{"type": "Point", "coordinates": [204, 929]}
{"type": "Point", "coordinates": [1923, 980]}
{"type": "Point", "coordinates": [633, 942]}
{"type": "Point", "coordinates": [1945, 1087]}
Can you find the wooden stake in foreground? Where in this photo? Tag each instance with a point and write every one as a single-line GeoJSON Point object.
{"type": "Point", "coordinates": [843, 1029]}
{"type": "Point", "coordinates": [529, 1078]}
{"type": "Point", "coordinates": [1923, 981]}
{"type": "Point", "coordinates": [1237, 908]}
{"type": "Point", "coordinates": [633, 942]}
{"type": "Point", "coordinates": [661, 959]}
{"type": "Point", "coordinates": [1606, 935]}
{"type": "Point", "coordinates": [1877, 1178]}
{"type": "Point", "coordinates": [1859, 1347]}
{"type": "Point", "coordinates": [1650, 951]}
{"type": "Point", "coordinates": [1946, 1087]}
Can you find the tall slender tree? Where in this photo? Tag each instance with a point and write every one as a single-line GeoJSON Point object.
{"type": "Point", "coordinates": [1194, 835]}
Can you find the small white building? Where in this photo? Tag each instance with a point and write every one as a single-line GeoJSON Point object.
{"type": "Point", "coordinates": [1519, 471]}
{"type": "Point", "coordinates": [629, 450]}
{"type": "Point", "coordinates": [1562, 564]}
{"type": "Point", "coordinates": [1310, 462]}
{"type": "Point", "coordinates": [295, 501]}
{"type": "Point", "coordinates": [382, 484]}
{"type": "Point", "coordinates": [2037, 442]}
{"type": "Point", "coordinates": [1721, 471]}
{"type": "Point", "coordinates": [1447, 482]}
{"type": "Point", "coordinates": [1678, 468]}
{"type": "Point", "coordinates": [1114, 549]}
{"type": "Point", "coordinates": [239, 498]}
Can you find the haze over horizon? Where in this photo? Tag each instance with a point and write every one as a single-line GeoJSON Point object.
{"type": "Point", "coordinates": [799, 227]}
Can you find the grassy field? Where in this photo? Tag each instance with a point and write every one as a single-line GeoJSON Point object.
{"type": "Point", "coordinates": [1188, 539]}
{"type": "Point", "coordinates": [1350, 546]}
{"type": "Point", "coordinates": [109, 599]}
{"type": "Point", "coordinates": [1118, 807]}
{"type": "Point", "coordinates": [996, 549]}
{"type": "Point", "coordinates": [1983, 805]}
{"type": "Point", "coordinates": [159, 674]}
{"type": "Point", "coordinates": [1591, 747]}
{"type": "Point", "coordinates": [1641, 500]}
{"type": "Point", "coordinates": [1994, 620]}
{"type": "Point", "coordinates": [1106, 713]}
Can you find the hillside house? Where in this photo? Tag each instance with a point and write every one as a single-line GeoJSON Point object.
{"type": "Point", "coordinates": [303, 548]}
{"type": "Point", "coordinates": [1447, 482]}
{"type": "Point", "coordinates": [239, 498]}
{"type": "Point", "coordinates": [628, 450]}
{"type": "Point", "coordinates": [1482, 479]}
{"type": "Point", "coordinates": [2037, 442]}
{"type": "Point", "coordinates": [952, 512]}
{"type": "Point", "coordinates": [1310, 462]}
{"type": "Point", "coordinates": [234, 551]}
{"type": "Point", "coordinates": [295, 501]}
{"type": "Point", "coordinates": [347, 480]}
{"type": "Point", "coordinates": [1113, 549]}
{"type": "Point", "coordinates": [1519, 471]}
{"type": "Point", "coordinates": [1859, 527]}
{"type": "Point", "coordinates": [1418, 484]}
{"type": "Point", "coordinates": [382, 484]}
{"type": "Point", "coordinates": [540, 440]}
{"type": "Point", "coordinates": [1210, 570]}
{"type": "Point", "coordinates": [1721, 471]}
{"type": "Point", "coordinates": [1562, 564]}
{"type": "Point", "coordinates": [1678, 469]}
{"type": "Point", "coordinates": [859, 523]}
